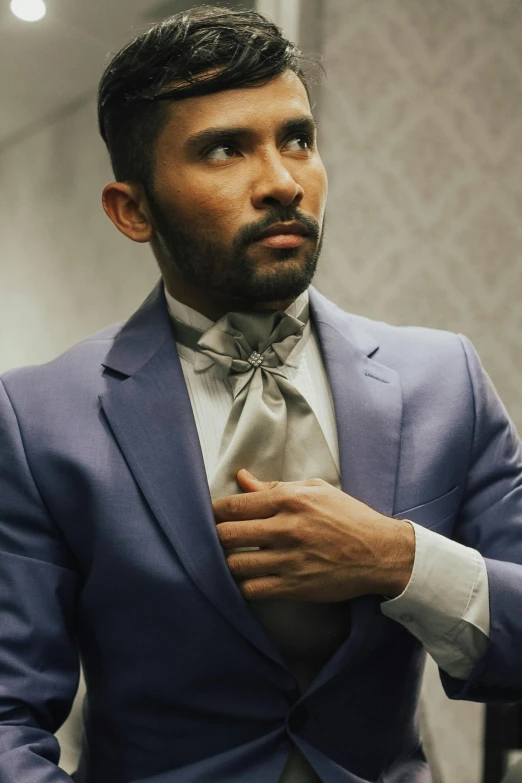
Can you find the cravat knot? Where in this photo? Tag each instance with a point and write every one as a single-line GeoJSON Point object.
{"type": "Point", "coordinates": [241, 342]}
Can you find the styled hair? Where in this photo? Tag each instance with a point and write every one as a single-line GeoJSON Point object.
{"type": "Point", "coordinates": [240, 48]}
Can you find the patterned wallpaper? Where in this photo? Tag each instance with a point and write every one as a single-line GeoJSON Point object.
{"type": "Point", "coordinates": [421, 134]}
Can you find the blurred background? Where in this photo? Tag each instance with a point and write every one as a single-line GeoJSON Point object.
{"type": "Point", "coordinates": [420, 129]}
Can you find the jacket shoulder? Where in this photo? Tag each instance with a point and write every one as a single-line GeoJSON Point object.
{"type": "Point", "coordinates": [399, 346]}
{"type": "Point", "coordinates": [385, 341]}
{"type": "Point", "coordinates": [77, 362]}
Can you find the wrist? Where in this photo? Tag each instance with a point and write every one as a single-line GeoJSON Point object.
{"type": "Point", "coordinates": [398, 557]}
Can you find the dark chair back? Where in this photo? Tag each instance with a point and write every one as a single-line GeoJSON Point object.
{"type": "Point", "coordinates": [502, 733]}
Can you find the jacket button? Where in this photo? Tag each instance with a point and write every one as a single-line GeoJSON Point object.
{"type": "Point", "coordinates": [299, 717]}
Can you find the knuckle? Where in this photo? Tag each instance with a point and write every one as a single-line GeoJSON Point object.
{"type": "Point", "coordinates": [298, 499]}
{"type": "Point", "coordinates": [250, 589]}
{"type": "Point", "coordinates": [226, 533]}
{"type": "Point", "coordinates": [237, 504]}
{"type": "Point", "coordinates": [233, 563]}
{"type": "Point", "coordinates": [316, 482]}
{"type": "Point", "coordinates": [239, 563]}
{"type": "Point", "coordinates": [294, 530]}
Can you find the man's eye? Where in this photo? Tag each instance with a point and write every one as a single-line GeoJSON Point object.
{"type": "Point", "coordinates": [303, 139]}
{"type": "Point", "coordinates": [220, 152]}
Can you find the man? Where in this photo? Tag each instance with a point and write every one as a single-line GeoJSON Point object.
{"type": "Point", "coordinates": [235, 627]}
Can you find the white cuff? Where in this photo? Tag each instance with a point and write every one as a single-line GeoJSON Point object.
{"type": "Point", "coordinates": [446, 601]}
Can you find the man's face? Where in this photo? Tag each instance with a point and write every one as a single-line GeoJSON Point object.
{"type": "Point", "coordinates": [229, 166]}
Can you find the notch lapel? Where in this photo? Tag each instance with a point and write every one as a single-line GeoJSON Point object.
{"type": "Point", "coordinates": [367, 400]}
{"type": "Point", "coordinates": [150, 414]}
{"type": "Point", "coordinates": [368, 406]}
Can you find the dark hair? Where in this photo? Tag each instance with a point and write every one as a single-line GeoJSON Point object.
{"type": "Point", "coordinates": [246, 47]}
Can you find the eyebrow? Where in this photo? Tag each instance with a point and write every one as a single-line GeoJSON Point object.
{"type": "Point", "coordinates": [305, 124]}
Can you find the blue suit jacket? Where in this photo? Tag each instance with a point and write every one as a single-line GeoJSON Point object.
{"type": "Point", "coordinates": [108, 544]}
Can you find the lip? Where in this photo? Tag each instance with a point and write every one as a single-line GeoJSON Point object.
{"type": "Point", "coordinates": [294, 228]}
{"type": "Point", "coordinates": [282, 240]}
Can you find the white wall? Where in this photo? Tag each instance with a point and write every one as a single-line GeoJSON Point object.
{"type": "Point", "coordinates": [65, 270]}
{"type": "Point", "coordinates": [421, 124]}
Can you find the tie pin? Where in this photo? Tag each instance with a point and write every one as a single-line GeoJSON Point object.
{"type": "Point", "coordinates": [255, 359]}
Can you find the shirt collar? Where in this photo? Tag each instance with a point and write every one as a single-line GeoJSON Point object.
{"type": "Point", "coordinates": [199, 321]}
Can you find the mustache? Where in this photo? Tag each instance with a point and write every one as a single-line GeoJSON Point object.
{"type": "Point", "coordinates": [249, 233]}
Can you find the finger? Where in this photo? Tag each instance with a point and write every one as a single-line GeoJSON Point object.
{"type": "Point", "coordinates": [237, 534]}
{"type": "Point", "coordinates": [247, 565]}
{"type": "Point", "coordinates": [262, 587]}
{"type": "Point", "coordinates": [263, 503]}
{"type": "Point", "coordinates": [248, 505]}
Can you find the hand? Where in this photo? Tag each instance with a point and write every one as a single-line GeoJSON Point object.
{"type": "Point", "coordinates": [316, 542]}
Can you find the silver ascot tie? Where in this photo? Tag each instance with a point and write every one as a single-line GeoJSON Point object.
{"type": "Point", "coordinates": [273, 432]}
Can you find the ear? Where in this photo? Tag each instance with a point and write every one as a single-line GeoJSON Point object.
{"type": "Point", "coordinates": [125, 205]}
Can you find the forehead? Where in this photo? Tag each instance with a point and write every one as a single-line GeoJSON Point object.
{"type": "Point", "coordinates": [270, 104]}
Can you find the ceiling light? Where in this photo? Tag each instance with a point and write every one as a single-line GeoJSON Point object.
{"type": "Point", "coordinates": [28, 10]}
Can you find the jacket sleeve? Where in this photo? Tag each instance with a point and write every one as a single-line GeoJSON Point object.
{"type": "Point", "coordinates": [39, 662]}
{"type": "Point", "coordinates": [490, 520]}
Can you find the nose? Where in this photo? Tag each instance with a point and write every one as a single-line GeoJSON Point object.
{"type": "Point", "coordinates": [274, 184]}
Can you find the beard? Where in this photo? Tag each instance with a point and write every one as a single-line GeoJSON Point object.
{"type": "Point", "coordinates": [230, 270]}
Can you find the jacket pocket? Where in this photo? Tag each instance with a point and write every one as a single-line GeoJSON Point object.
{"type": "Point", "coordinates": [429, 514]}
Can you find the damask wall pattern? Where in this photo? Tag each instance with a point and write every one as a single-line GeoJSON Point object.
{"type": "Point", "coordinates": [421, 134]}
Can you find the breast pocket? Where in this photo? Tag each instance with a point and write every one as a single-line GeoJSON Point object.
{"type": "Point", "coordinates": [435, 511]}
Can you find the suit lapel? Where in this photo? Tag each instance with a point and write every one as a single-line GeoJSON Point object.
{"type": "Point", "coordinates": [149, 411]}
{"type": "Point", "coordinates": [148, 408]}
{"type": "Point", "coordinates": [367, 400]}
{"type": "Point", "coordinates": [368, 406]}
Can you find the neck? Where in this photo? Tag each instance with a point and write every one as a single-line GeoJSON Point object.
{"type": "Point", "coordinates": [219, 306]}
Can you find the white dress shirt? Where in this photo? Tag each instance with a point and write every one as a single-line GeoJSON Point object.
{"type": "Point", "coordinates": [445, 604]}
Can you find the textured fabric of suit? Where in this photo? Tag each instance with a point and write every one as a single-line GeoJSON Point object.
{"type": "Point", "coordinates": [108, 543]}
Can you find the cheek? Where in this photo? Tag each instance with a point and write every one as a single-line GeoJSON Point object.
{"type": "Point", "coordinates": [219, 212]}
{"type": "Point", "coordinates": [318, 184]}
{"type": "Point", "coordinates": [208, 204]}
{"type": "Point", "coordinates": [221, 217]}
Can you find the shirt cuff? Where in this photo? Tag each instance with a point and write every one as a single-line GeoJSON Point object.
{"type": "Point", "coordinates": [446, 601]}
